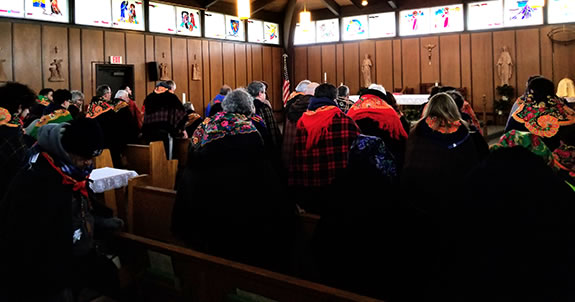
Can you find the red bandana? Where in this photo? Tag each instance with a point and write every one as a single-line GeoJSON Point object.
{"type": "Point", "coordinates": [316, 123]}
{"type": "Point", "coordinates": [79, 186]}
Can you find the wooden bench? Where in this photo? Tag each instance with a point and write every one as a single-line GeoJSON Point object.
{"type": "Point", "coordinates": [152, 160]}
{"type": "Point", "coordinates": [158, 271]}
{"type": "Point", "coordinates": [149, 210]}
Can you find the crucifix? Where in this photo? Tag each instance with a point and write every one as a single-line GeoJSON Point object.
{"type": "Point", "coordinates": [429, 48]}
{"type": "Point", "coordinates": [56, 49]}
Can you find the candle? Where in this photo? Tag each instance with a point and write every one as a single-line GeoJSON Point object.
{"type": "Point", "coordinates": [183, 98]}
{"type": "Point", "coordinates": [325, 77]}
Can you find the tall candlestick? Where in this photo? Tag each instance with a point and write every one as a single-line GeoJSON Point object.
{"type": "Point", "coordinates": [183, 98]}
{"type": "Point", "coordinates": [325, 77]}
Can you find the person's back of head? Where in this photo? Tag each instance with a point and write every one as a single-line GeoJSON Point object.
{"type": "Point", "coordinates": [239, 101]}
{"type": "Point", "coordinates": [15, 96]}
{"type": "Point", "coordinates": [61, 96]}
{"type": "Point", "coordinates": [255, 88]}
{"type": "Point", "coordinates": [172, 85]}
{"type": "Point", "coordinates": [442, 107]}
{"type": "Point", "coordinates": [342, 91]}
{"type": "Point", "coordinates": [378, 88]}
{"type": "Point", "coordinates": [123, 95]}
{"type": "Point", "coordinates": [225, 90]}
{"type": "Point", "coordinates": [302, 85]}
{"type": "Point", "coordinates": [103, 90]}
{"type": "Point", "coordinates": [541, 88]}
{"type": "Point", "coordinates": [326, 90]}
{"type": "Point", "coordinates": [457, 97]}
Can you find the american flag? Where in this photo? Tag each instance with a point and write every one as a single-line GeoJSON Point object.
{"type": "Point", "coordinates": [285, 90]}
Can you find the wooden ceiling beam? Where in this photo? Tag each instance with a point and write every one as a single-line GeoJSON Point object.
{"type": "Point", "coordinates": [258, 5]}
{"type": "Point", "coordinates": [207, 3]}
{"type": "Point", "coordinates": [333, 7]}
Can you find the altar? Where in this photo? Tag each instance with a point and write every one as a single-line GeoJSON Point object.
{"type": "Point", "coordinates": [403, 99]}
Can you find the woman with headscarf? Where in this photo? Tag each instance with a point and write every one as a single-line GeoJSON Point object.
{"type": "Point", "coordinates": [542, 113]}
{"type": "Point", "coordinates": [376, 117]}
{"type": "Point", "coordinates": [230, 200]}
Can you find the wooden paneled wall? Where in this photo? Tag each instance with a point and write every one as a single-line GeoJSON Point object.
{"type": "Point", "coordinates": [27, 49]}
{"type": "Point", "coordinates": [460, 60]}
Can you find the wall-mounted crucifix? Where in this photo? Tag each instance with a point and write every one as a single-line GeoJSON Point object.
{"type": "Point", "coordinates": [429, 48]}
{"type": "Point", "coordinates": [56, 49]}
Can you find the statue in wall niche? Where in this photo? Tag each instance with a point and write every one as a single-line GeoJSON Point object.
{"type": "Point", "coordinates": [196, 73]}
{"type": "Point", "coordinates": [504, 66]}
{"type": "Point", "coordinates": [366, 71]}
{"type": "Point", "coordinates": [164, 72]}
{"type": "Point", "coordinates": [56, 71]}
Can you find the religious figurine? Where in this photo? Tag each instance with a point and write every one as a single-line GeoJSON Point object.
{"type": "Point", "coordinates": [196, 75]}
{"type": "Point", "coordinates": [366, 70]}
{"type": "Point", "coordinates": [164, 72]}
{"type": "Point", "coordinates": [429, 48]}
{"type": "Point", "coordinates": [56, 71]}
{"type": "Point", "coordinates": [504, 66]}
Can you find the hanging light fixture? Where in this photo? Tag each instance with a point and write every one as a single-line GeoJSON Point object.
{"type": "Point", "coordinates": [244, 10]}
{"type": "Point", "coordinates": [305, 19]}
{"type": "Point", "coordinates": [364, 3]}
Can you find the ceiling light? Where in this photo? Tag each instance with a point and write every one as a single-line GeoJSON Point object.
{"type": "Point", "coordinates": [392, 4]}
{"type": "Point", "coordinates": [305, 20]}
{"type": "Point", "coordinates": [244, 10]}
{"type": "Point", "coordinates": [364, 3]}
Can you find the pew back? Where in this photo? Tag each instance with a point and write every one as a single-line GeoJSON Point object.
{"type": "Point", "coordinates": [138, 158]}
{"type": "Point", "coordinates": [150, 212]}
{"type": "Point", "coordinates": [151, 159]}
{"type": "Point", "coordinates": [175, 273]}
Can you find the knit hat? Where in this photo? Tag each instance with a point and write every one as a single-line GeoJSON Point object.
{"type": "Point", "coordinates": [83, 137]}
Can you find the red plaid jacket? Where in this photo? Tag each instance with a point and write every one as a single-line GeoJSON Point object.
{"type": "Point", "coordinates": [318, 165]}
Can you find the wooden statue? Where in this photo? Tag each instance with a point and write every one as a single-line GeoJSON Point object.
{"type": "Point", "coordinates": [196, 73]}
{"type": "Point", "coordinates": [504, 67]}
{"type": "Point", "coordinates": [56, 71]}
{"type": "Point", "coordinates": [366, 70]}
{"type": "Point", "coordinates": [164, 72]}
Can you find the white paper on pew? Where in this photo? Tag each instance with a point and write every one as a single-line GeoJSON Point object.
{"type": "Point", "coordinates": [105, 179]}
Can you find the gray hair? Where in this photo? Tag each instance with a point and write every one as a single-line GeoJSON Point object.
{"type": "Point", "coordinates": [255, 87]}
{"type": "Point", "coordinates": [102, 90]}
{"type": "Point", "coordinates": [239, 101]}
{"type": "Point", "coordinates": [443, 107]}
{"type": "Point", "coordinates": [77, 96]}
{"type": "Point", "coordinates": [301, 86]}
{"type": "Point", "coordinates": [122, 94]}
{"type": "Point", "coordinates": [171, 84]}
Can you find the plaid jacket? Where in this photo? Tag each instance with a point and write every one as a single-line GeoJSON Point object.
{"type": "Point", "coordinates": [318, 166]}
{"type": "Point", "coordinates": [267, 114]}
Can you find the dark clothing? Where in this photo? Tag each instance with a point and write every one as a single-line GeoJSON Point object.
{"type": "Point", "coordinates": [164, 118]}
{"type": "Point", "coordinates": [266, 112]}
{"type": "Point", "coordinates": [515, 238]}
{"type": "Point", "coordinates": [215, 108]}
{"type": "Point", "coordinates": [295, 108]}
{"type": "Point", "coordinates": [396, 146]}
{"type": "Point", "coordinates": [435, 164]}
{"type": "Point", "coordinates": [45, 229]}
{"type": "Point", "coordinates": [230, 202]}
{"type": "Point", "coordinates": [12, 154]}
{"type": "Point", "coordinates": [51, 108]}
{"type": "Point", "coordinates": [36, 112]}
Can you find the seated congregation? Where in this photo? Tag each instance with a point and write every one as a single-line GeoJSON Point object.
{"type": "Point", "coordinates": [337, 201]}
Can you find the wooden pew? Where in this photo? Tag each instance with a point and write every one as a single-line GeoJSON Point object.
{"type": "Point", "coordinates": [160, 271]}
{"type": "Point", "coordinates": [102, 161]}
{"type": "Point", "coordinates": [180, 152]}
{"type": "Point", "coordinates": [152, 160]}
{"type": "Point", "coordinates": [149, 211]}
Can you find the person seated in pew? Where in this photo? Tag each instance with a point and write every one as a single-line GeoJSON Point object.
{"type": "Point", "coordinates": [215, 105]}
{"type": "Point", "coordinates": [49, 220]}
{"type": "Point", "coordinates": [77, 104]}
{"type": "Point", "coordinates": [164, 116]}
{"type": "Point", "coordinates": [194, 119]}
{"type": "Point", "coordinates": [15, 102]}
{"type": "Point", "coordinates": [45, 98]}
{"type": "Point", "coordinates": [374, 116]}
{"type": "Point", "coordinates": [230, 201]}
{"type": "Point", "coordinates": [323, 137]}
{"type": "Point", "coordinates": [368, 240]}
